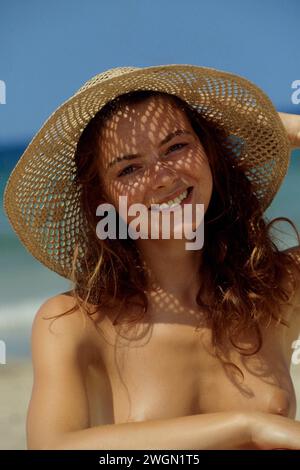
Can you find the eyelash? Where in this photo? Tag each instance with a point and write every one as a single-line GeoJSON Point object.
{"type": "Point", "coordinates": [132, 166]}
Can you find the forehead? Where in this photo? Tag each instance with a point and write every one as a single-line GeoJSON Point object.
{"type": "Point", "coordinates": [149, 119]}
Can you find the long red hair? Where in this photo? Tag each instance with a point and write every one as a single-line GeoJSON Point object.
{"type": "Point", "coordinates": [244, 270]}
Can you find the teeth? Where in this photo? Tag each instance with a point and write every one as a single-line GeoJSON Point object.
{"type": "Point", "coordinates": [164, 206]}
{"type": "Point", "coordinates": [174, 202]}
{"type": "Point", "coordinates": [178, 199]}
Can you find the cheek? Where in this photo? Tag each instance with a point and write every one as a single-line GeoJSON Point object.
{"type": "Point", "coordinates": [203, 174]}
{"type": "Point", "coordinates": [133, 192]}
{"type": "Point", "coordinates": [200, 160]}
{"type": "Point", "coordinates": [206, 179]}
{"type": "Point", "coordinates": [199, 166]}
{"type": "Point", "coordinates": [208, 185]}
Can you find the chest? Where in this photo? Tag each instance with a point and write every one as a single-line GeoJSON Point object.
{"type": "Point", "coordinates": [171, 370]}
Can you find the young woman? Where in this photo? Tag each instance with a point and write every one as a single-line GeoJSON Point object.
{"type": "Point", "coordinates": [157, 346]}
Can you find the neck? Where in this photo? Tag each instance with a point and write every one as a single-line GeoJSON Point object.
{"type": "Point", "coordinates": [171, 268]}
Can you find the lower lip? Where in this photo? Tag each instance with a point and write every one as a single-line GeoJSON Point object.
{"type": "Point", "coordinates": [187, 200]}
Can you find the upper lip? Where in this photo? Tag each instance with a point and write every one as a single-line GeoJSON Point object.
{"type": "Point", "coordinates": [170, 196]}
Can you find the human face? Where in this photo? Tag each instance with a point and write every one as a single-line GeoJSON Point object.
{"type": "Point", "coordinates": [160, 163]}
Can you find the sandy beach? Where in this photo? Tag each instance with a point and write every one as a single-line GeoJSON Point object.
{"type": "Point", "coordinates": [15, 386]}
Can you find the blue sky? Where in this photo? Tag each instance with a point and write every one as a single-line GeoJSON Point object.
{"type": "Point", "coordinates": [49, 49]}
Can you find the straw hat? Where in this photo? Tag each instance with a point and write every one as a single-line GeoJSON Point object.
{"type": "Point", "coordinates": [41, 198]}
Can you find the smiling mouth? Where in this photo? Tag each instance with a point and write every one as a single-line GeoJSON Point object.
{"type": "Point", "coordinates": [186, 200]}
{"type": "Point", "coordinates": [189, 195]}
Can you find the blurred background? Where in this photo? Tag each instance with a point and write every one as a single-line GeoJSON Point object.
{"type": "Point", "coordinates": [49, 49]}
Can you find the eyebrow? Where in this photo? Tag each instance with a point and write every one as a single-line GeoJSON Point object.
{"type": "Point", "coordinates": [165, 140]}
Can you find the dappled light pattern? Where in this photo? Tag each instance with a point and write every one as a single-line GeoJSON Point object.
{"type": "Point", "coordinates": [150, 153]}
{"type": "Point", "coordinates": [42, 199]}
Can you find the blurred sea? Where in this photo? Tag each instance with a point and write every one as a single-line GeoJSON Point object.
{"type": "Point", "coordinates": [25, 283]}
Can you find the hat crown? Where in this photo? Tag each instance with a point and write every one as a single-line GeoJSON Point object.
{"type": "Point", "coordinates": [106, 75]}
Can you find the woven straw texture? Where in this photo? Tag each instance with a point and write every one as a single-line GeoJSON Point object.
{"type": "Point", "coordinates": [41, 199]}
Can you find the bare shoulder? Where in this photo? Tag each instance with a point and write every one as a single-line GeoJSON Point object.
{"type": "Point", "coordinates": [58, 307]}
{"type": "Point", "coordinates": [293, 330]}
{"type": "Point", "coordinates": [294, 274]}
{"type": "Point", "coordinates": [294, 252]}
{"type": "Point", "coordinates": [60, 326]}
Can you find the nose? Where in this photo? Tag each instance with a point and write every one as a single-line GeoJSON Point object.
{"type": "Point", "coordinates": [163, 175]}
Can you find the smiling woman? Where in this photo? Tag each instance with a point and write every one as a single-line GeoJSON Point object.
{"type": "Point", "coordinates": [247, 267]}
{"type": "Point", "coordinates": [235, 283]}
{"type": "Point", "coordinates": [183, 324]}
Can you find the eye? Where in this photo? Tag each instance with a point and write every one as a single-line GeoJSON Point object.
{"type": "Point", "coordinates": [176, 145]}
{"type": "Point", "coordinates": [126, 171]}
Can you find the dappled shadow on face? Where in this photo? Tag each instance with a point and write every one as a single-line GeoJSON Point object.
{"type": "Point", "coordinates": [149, 151]}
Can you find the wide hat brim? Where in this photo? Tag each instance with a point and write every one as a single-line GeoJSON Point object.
{"type": "Point", "coordinates": [41, 199]}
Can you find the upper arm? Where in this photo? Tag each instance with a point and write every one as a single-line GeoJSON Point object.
{"type": "Point", "coordinates": [59, 401]}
